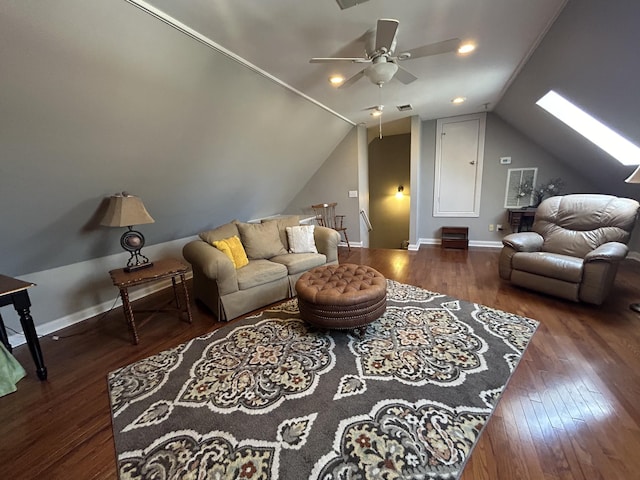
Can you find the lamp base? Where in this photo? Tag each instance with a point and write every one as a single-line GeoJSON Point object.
{"type": "Point", "coordinates": [635, 307]}
{"type": "Point", "coordinates": [135, 268]}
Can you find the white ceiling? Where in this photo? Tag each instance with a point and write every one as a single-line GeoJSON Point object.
{"type": "Point", "coordinates": [280, 36]}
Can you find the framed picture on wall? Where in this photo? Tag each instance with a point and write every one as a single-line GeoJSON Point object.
{"type": "Point", "coordinates": [520, 185]}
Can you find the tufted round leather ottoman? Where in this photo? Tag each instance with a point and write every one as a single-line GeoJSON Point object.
{"type": "Point", "coordinates": [345, 296]}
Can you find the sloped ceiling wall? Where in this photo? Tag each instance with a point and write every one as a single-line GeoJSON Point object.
{"type": "Point", "coordinates": [98, 97]}
{"type": "Point", "coordinates": [590, 56]}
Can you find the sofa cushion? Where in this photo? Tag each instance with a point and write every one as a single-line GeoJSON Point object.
{"type": "Point", "coordinates": [282, 223]}
{"type": "Point", "coordinates": [232, 248]}
{"type": "Point", "coordinates": [301, 239]}
{"type": "Point", "coordinates": [300, 262]}
{"type": "Point", "coordinates": [261, 240]}
{"type": "Point", "coordinates": [553, 265]}
{"type": "Point", "coordinates": [220, 233]}
{"type": "Point", "coordinates": [259, 272]}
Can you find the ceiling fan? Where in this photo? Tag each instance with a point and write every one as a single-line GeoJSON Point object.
{"type": "Point", "coordinates": [379, 52]}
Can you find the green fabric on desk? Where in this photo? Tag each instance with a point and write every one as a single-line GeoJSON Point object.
{"type": "Point", "coordinates": [10, 372]}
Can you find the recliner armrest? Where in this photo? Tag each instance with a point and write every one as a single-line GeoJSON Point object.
{"type": "Point", "coordinates": [524, 241]}
{"type": "Point", "coordinates": [610, 252]}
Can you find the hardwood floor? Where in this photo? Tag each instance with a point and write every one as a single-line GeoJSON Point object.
{"type": "Point", "coordinates": [570, 411]}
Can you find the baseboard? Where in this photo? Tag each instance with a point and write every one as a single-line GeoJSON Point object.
{"type": "Point", "coordinates": [60, 285]}
{"type": "Point", "coordinates": [485, 243]}
{"type": "Point", "coordinates": [76, 292]}
{"type": "Point", "coordinates": [53, 326]}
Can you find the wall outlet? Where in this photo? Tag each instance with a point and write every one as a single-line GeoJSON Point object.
{"type": "Point", "coordinates": [491, 227]}
{"type": "Point", "coordinates": [353, 193]}
{"type": "Point", "coordinates": [505, 160]}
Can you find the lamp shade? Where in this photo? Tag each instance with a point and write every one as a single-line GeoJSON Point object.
{"type": "Point", "coordinates": [125, 210]}
{"type": "Point", "coordinates": [634, 177]}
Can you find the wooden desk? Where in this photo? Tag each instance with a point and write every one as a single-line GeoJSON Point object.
{"type": "Point", "coordinates": [521, 219]}
{"type": "Point", "coordinates": [159, 271]}
{"type": "Point", "coordinates": [14, 291]}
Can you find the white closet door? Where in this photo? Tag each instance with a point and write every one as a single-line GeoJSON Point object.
{"type": "Point", "coordinates": [458, 172]}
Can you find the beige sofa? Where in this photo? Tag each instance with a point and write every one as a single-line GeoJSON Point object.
{"type": "Point", "coordinates": [575, 247]}
{"type": "Point", "coordinates": [269, 276]}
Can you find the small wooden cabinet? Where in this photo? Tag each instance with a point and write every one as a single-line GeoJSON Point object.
{"type": "Point", "coordinates": [455, 237]}
{"type": "Point", "coordinates": [521, 219]}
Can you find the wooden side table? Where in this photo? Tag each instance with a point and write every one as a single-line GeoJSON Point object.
{"type": "Point", "coordinates": [14, 291]}
{"type": "Point", "coordinates": [160, 270]}
{"type": "Point", "coordinates": [521, 219]}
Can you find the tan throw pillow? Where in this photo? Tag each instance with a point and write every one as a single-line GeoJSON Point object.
{"type": "Point", "coordinates": [232, 248]}
{"type": "Point", "coordinates": [261, 240]}
{"type": "Point", "coordinates": [220, 233]}
{"type": "Point", "coordinates": [283, 223]}
{"type": "Point", "coordinates": [301, 239]}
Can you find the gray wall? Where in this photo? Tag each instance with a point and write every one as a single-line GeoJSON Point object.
{"type": "Point", "coordinates": [500, 140]}
{"type": "Point", "coordinates": [99, 97]}
{"type": "Point", "coordinates": [332, 183]}
{"type": "Point", "coordinates": [389, 167]}
{"type": "Point", "coordinates": [590, 55]}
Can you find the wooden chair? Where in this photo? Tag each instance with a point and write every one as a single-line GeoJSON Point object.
{"type": "Point", "coordinates": [326, 217]}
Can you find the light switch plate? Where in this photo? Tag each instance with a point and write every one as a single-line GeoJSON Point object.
{"type": "Point", "coordinates": [353, 194]}
{"type": "Point", "coordinates": [505, 160]}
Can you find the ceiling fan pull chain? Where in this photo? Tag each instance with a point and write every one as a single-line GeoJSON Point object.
{"type": "Point", "coordinates": [380, 106]}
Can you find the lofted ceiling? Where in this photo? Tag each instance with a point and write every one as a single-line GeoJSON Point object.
{"type": "Point", "coordinates": [281, 36]}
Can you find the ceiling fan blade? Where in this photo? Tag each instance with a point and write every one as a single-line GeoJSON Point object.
{"type": "Point", "coordinates": [445, 46]}
{"type": "Point", "coordinates": [353, 79]}
{"type": "Point", "coordinates": [405, 76]}
{"type": "Point", "coordinates": [386, 33]}
{"type": "Point", "coordinates": [373, 107]}
{"type": "Point", "coordinates": [339, 59]}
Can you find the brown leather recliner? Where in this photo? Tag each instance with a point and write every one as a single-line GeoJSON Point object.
{"type": "Point", "coordinates": [574, 248]}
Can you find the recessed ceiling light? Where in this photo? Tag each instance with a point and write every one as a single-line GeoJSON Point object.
{"type": "Point", "coordinates": [458, 100]}
{"type": "Point", "coordinates": [336, 80]}
{"type": "Point", "coordinates": [466, 48]}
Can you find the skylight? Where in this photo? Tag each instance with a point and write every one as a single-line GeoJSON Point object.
{"type": "Point", "coordinates": [593, 130]}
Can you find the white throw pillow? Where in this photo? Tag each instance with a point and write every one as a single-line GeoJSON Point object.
{"type": "Point", "coordinates": [301, 239]}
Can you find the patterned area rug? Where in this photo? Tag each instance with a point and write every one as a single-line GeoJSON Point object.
{"type": "Point", "coordinates": [269, 397]}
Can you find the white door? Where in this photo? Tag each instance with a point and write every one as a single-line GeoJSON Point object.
{"type": "Point", "coordinates": [458, 170]}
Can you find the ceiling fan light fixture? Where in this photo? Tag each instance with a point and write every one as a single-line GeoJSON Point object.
{"type": "Point", "coordinates": [376, 112]}
{"type": "Point", "coordinates": [467, 47]}
{"type": "Point", "coordinates": [381, 72]}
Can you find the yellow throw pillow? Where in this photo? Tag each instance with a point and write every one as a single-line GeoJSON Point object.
{"type": "Point", "coordinates": [232, 248]}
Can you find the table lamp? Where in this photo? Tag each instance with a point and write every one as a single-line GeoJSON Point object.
{"type": "Point", "coordinates": [634, 178]}
{"type": "Point", "coordinates": [126, 210]}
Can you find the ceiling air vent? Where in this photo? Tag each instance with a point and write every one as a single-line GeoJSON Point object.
{"type": "Point", "coordinates": [349, 3]}
{"type": "Point", "coordinates": [405, 108]}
